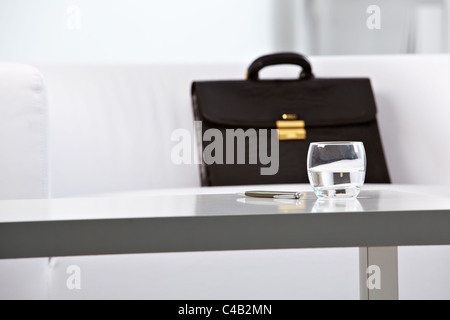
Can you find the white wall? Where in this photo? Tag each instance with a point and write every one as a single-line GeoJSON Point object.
{"type": "Point", "coordinates": [134, 30]}
{"type": "Point", "coordinates": [214, 30]}
{"type": "Point", "coordinates": [447, 21]}
{"type": "Point", "coordinates": [406, 26]}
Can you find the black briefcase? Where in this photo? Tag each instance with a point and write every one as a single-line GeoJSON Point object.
{"type": "Point", "coordinates": [254, 131]}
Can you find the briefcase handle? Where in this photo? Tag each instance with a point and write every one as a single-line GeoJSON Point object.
{"type": "Point", "coordinates": [277, 59]}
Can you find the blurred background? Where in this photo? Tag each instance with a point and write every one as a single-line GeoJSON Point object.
{"type": "Point", "coordinates": [217, 30]}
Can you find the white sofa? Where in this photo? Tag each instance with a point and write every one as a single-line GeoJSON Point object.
{"type": "Point", "coordinates": [110, 126]}
{"type": "Point", "coordinates": [109, 131]}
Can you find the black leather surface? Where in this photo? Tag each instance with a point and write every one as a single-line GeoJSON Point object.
{"type": "Point", "coordinates": [319, 102]}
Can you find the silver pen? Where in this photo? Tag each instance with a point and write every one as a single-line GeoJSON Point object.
{"type": "Point", "coordinates": [274, 194]}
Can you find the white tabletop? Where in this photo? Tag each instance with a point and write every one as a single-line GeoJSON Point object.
{"type": "Point", "coordinates": [221, 219]}
{"type": "Point", "coordinates": [198, 201]}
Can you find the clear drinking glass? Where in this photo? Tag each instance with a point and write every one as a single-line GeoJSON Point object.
{"type": "Point", "coordinates": [336, 169]}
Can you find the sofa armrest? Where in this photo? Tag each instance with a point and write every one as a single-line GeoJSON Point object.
{"type": "Point", "coordinates": [23, 133]}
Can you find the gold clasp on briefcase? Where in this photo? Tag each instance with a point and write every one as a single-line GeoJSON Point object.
{"type": "Point", "coordinates": [290, 128]}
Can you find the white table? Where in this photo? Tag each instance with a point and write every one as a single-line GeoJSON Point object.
{"type": "Point", "coordinates": [382, 218]}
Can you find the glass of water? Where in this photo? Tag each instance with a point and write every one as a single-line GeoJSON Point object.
{"type": "Point", "coordinates": [336, 169]}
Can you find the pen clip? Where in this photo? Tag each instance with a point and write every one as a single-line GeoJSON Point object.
{"type": "Point", "coordinates": [286, 196]}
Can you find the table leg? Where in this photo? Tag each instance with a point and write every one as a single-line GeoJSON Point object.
{"type": "Point", "coordinates": [378, 273]}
